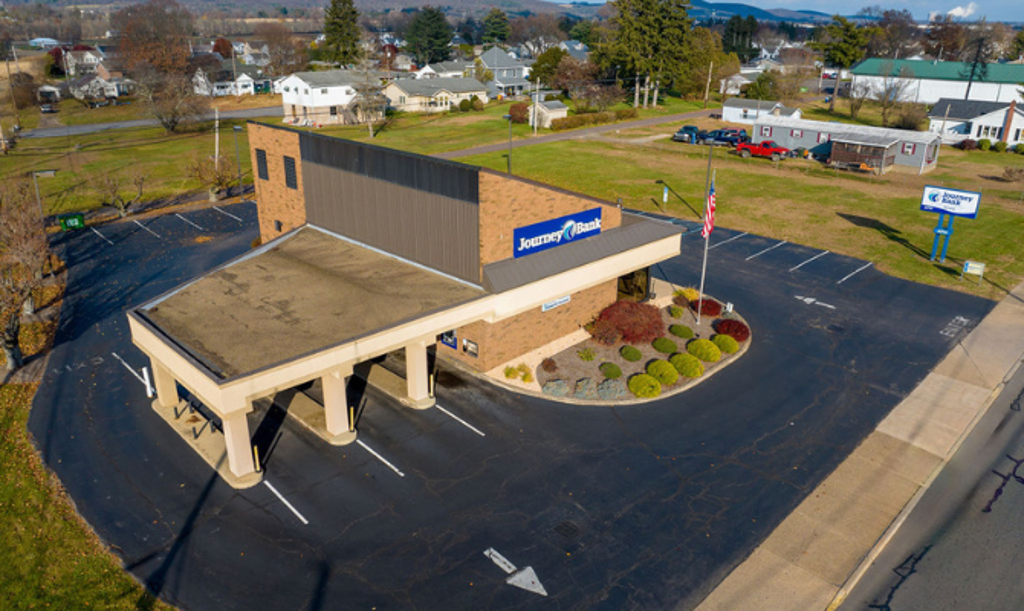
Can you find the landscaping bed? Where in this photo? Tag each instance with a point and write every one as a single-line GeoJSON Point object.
{"type": "Point", "coordinates": [627, 365]}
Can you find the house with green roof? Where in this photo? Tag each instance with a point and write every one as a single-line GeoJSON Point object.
{"type": "Point", "coordinates": [929, 81]}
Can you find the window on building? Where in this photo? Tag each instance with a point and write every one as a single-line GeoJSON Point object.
{"type": "Point", "coordinates": [334, 111]}
{"type": "Point", "coordinates": [797, 133]}
{"type": "Point", "coordinates": [291, 179]}
{"type": "Point", "coordinates": [323, 92]}
{"type": "Point", "coordinates": [909, 148]}
{"type": "Point", "coordinates": [823, 137]}
{"type": "Point", "coordinates": [766, 131]}
{"type": "Point", "coordinates": [746, 113]}
{"type": "Point", "coordinates": [401, 99]}
{"type": "Point", "coordinates": [278, 226]}
{"type": "Point", "coordinates": [261, 164]}
{"type": "Point", "coordinates": [470, 348]}
{"type": "Point", "coordinates": [1016, 135]}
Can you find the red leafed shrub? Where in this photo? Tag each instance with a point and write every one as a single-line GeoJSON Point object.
{"type": "Point", "coordinates": [638, 323]}
{"type": "Point", "coordinates": [549, 365]}
{"type": "Point", "coordinates": [520, 112]}
{"type": "Point", "coordinates": [604, 332]}
{"type": "Point", "coordinates": [736, 329]}
{"type": "Point", "coordinates": [708, 307]}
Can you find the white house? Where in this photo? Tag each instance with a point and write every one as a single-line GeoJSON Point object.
{"type": "Point", "coordinates": [742, 110]}
{"type": "Point", "coordinates": [92, 87]}
{"type": "Point", "coordinates": [43, 43]}
{"type": "Point", "coordinates": [927, 82]}
{"type": "Point", "coordinates": [957, 120]}
{"type": "Point", "coordinates": [228, 79]}
{"type": "Point", "coordinates": [320, 97]}
{"type": "Point", "coordinates": [431, 95]}
{"type": "Point", "coordinates": [80, 63]}
{"type": "Point", "coordinates": [450, 69]}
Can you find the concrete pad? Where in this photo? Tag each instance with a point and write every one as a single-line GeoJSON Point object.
{"type": "Point", "coordinates": [935, 415]}
{"type": "Point", "coordinates": [206, 440]}
{"type": "Point", "coordinates": [765, 581]}
{"type": "Point", "coordinates": [310, 414]}
{"type": "Point", "coordinates": [906, 460]}
{"type": "Point", "coordinates": [959, 365]}
{"type": "Point", "coordinates": [995, 345]}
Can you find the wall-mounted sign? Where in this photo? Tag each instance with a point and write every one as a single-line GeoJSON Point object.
{"type": "Point", "coordinates": [555, 232]}
{"type": "Point", "coordinates": [951, 201]}
{"type": "Point", "coordinates": [449, 339]}
{"type": "Point", "coordinates": [551, 305]}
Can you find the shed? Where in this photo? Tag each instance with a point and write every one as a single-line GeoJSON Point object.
{"type": "Point", "coordinates": [548, 112]}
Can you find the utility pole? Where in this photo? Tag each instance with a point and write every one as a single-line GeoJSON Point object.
{"type": "Point", "coordinates": [234, 72]}
{"type": "Point", "coordinates": [707, 88]}
{"type": "Point", "coordinates": [536, 102]}
{"type": "Point", "coordinates": [14, 99]}
{"type": "Point", "coordinates": [216, 140]}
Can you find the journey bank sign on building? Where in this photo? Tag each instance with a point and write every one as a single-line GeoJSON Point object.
{"type": "Point", "coordinates": [555, 232]}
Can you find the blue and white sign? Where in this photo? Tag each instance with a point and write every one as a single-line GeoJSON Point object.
{"type": "Point", "coordinates": [555, 232]}
{"type": "Point", "coordinates": [951, 201]}
{"type": "Point", "coordinates": [551, 305]}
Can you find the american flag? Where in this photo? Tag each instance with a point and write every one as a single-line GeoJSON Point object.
{"type": "Point", "coordinates": [709, 213]}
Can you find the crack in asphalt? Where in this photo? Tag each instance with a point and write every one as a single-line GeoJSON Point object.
{"type": "Point", "coordinates": [1006, 478]}
{"type": "Point", "coordinates": [903, 571]}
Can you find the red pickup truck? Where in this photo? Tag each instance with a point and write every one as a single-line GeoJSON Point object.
{"type": "Point", "coordinates": [766, 148]}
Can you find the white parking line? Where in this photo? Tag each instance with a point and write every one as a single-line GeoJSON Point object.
{"type": "Point", "coordinates": [460, 420]}
{"type": "Point", "coordinates": [854, 273]}
{"type": "Point", "coordinates": [101, 236]}
{"type": "Point", "coordinates": [217, 208]}
{"type": "Point", "coordinates": [137, 376]}
{"type": "Point", "coordinates": [286, 503]}
{"type": "Point", "coordinates": [189, 222]}
{"type": "Point", "coordinates": [147, 229]}
{"type": "Point", "coordinates": [380, 458]}
{"type": "Point", "coordinates": [770, 248]}
{"type": "Point", "coordinates": [817, 256]}
{"type": "Point", "coordinates": [735, 237]}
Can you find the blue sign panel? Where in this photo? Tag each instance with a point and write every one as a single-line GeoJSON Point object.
{"type": "Point", "coordinates": [951, 201]}
{"type": "Point", "coordinates": [555, 232]}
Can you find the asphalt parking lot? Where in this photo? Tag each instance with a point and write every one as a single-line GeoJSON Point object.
{"type": "Point", "coordinates": [638, 507]}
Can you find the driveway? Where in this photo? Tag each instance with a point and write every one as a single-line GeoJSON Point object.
{"type": "Point", "coordinates": [91, 128]}
{"type": "Point", "coordinates": [633, 507]}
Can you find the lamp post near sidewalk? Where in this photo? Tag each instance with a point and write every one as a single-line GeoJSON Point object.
{"type": "Point", "coordinates": [238, 160]}
{"type": "Point", "coordinates": [35, 180]}
{"type": "Point", "coordinates": [509, 157]}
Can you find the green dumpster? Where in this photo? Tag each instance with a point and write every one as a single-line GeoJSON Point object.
{"type": "Point", "coordinates": [69, 222]}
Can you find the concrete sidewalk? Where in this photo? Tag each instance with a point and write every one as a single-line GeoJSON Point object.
{"type": "Point", "coordinates": [813, 559]}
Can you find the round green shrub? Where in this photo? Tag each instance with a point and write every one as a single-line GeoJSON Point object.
{"type": "Point", "coordinates": [585, 354]}
{"type": "Point", "coordinates": [999, 147]}
{"type": "Point", "coordinates": [726, 344]}
{"type": "Point", "coordinates": [644, 386]}
{"type": "Point", "coordinates": [663, 372]}
{"type": "Point", "coordinates": [681, 331]}
{"type": "Point", "coordinates": [465, 106]}
{"type": "Point", "coordinates": [705, 350]}
{"type": "Point", "coordinates": [984, 144]}
{"type": "Point", "coordinates": [610, 371]}
{"type": "Point", "coordinates": [664, 345]}
{"type": "Point", "coordinates": [687, 365]}
{"type": "Point", "coordinates": [675, 311]}
{"type": "Point", "coordinates": [631, 353]}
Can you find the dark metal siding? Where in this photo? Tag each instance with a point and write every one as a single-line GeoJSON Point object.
{"type": "Point", "coordinates": [431, 229]}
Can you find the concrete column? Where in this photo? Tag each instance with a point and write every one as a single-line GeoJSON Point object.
{"type": "Point", "coordinates": [416, 374]}
{"type": "Point", "coordinates": [239, 443]}
{"type": "Point", "coordinates": [166, 386]}
{"type": "Point", "coordinates": [336, 402]}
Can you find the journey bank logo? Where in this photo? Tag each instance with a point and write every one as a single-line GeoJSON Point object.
{"type": "Point", "coordinates": [950, 201]}
{"type": "Point", "coordinates": [555, 232]}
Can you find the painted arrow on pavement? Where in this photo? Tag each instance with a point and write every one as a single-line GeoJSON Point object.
{"type": "Point", "coordinates": [525, 578]}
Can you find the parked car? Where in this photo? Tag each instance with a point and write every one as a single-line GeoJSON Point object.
{"type": "Point", "coordinates": [718, 137]}
{"type": "Point", "coordinates": [736, 136]}
{"type": "Point", "coordinates": [47, 108]}
{"type": "Point", "coordinates": [767, 148]}
{"type": "Point", "coordinates": [688, 133]}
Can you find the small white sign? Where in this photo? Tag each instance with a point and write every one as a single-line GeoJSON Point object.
{"type": "Point", "coordinates": [951, 201]}
{"type": "Point", "coordinates": [551, 305]}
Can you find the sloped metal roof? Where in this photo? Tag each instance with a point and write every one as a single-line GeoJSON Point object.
{"type": "Point", "coordinates": [942, 71]}
{"type": "Point", "coordinates": [850, 133]}
{"type": "Point", "coordinates": [965, 109]}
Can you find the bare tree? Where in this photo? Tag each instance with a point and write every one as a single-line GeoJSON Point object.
{"type": "Point", "coordinates": [859, 92]}
{"type": "Point", "coordinates": [891, 92]}
{"type": "Point", "coordinates": [371, 101]}
{"type": "Point", "coordinates": [215, 175]}
{"type": "Point", "coordinates": [287, 53]}
{"type": "Point", "coordinates": [172, 99]}
{"type": "Point", "coordinates": [576, 77]}
{"type": "Point", "coordinates": [109, 185]}
{"type": "Point", "coordinates": [537, 33]}
{"type": "Point", "coordinates": [24, 252]}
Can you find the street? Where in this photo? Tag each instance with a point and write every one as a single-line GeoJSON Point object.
{"type": "Point", "coordinates": [632, 507]}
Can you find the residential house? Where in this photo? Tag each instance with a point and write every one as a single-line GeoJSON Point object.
{"type": "Point", "coordinates": [92, 87]}
{"type": "Point", "coordinates": [510, 75]}
{"type": "Point", "coordinates": [43, 43]}
{"type": "Point", "coordinates": [546, 112]}
{"type": "Point", "coordinates": [927, 82]}
{"type": "Point", "coordinates": [320, 97]}
{"type": "Point", "coordinates": [81, 63]}
{"type": "Point", "coordinates": [735, 84]}
{"type": "Point", "coordinates": [957, 120]}
{"type": "Point", "coordinates": [227, 78]}
{"type": "Point", "coordinates": [742, 110]}
{"type": "Point", "coordinates": [431, 95]}
{"type": "Point", "coordinates": [877, 149]}
{"type": "Point", "coordinates": [48, 93]}
{"type": "Point", "coordinates": [576, 49]}
{"type": "Point", "coordinates": [449, 69]}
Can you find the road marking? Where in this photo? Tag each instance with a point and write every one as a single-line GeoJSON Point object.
{"type": "Point", "coordinates": [145, 381]}
{"type": "Point", "coordinates": [526, 578]}
{"type": "Point", "coordinates": [813, 301]}
{"type": "Point", "coordinates": [286, 503]}
{"type": "Point", "coordinates": [770, 248]}
{"type": "Point", "coordinates": [460, 420]}
{"type": "Point", "coordinates": [147, 229]}
{"type": "Point", "coordinates": [189, 222]}
{"type": "Point", "coordinates": [217, 208]}
{"type": "Point", "coordinates": [817, 256]}
{"type": "Point", "coordinates": [380, 458]}
{"type": "Point", "coordinates": [735, 237]}
{"type": "Point", "coordinates": [854, 273]}
{"type": "Point", "coordinates": [101, 236]}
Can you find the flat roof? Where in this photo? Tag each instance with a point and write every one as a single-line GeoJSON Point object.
{"type": "Point", "coordinates": [308, 291]}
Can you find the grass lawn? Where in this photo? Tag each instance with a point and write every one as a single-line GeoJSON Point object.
{"type": "Point", "coordinates": [875, 218]}
{"type": "Point", "coordinates": [870, 113]}
{"type": "Point", "coordinates": [163, 157]}
{"type": "Point", "coordinates": [73, 112]}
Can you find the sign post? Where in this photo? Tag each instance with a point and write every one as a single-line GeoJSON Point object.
{"type": "Point", "coordinates": [949, 203]}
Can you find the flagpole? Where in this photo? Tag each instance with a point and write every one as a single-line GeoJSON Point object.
{"type": "Point", "coordinates": [707, 240]}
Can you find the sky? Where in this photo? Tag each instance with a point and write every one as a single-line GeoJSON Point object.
{"type": "Point", "coordinates": [994, 10]}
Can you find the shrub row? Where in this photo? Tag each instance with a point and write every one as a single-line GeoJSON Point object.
{"type": "Point", "coordinates": [987, 145]}
{"type": "Point", "coordinates": [593, 118]}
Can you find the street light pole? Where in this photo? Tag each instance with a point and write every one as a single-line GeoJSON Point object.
{"type": "Point", "coordinates": [238, 160]}
{"type": "Point", "coordinates": [35, 181]}
{"type": "Point", "coordinates": [509, 156]}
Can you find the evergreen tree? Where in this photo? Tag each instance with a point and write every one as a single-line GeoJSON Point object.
{"type": "Point", "coordinates": [496, 28]}
{"type": "Point", "coordinates": [341, 32]}
{"type": "Point", "coordinates": [429, 36]}
{"type": "Point", "coordinates": [842, 45]}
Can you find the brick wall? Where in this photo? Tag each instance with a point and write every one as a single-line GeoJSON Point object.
{"type": "Point", "coordinates": [275, 202]}
{"type": "Point", "coordinates": [509, 339]}
{"type": "Point", "coordinates": [507, 203]}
